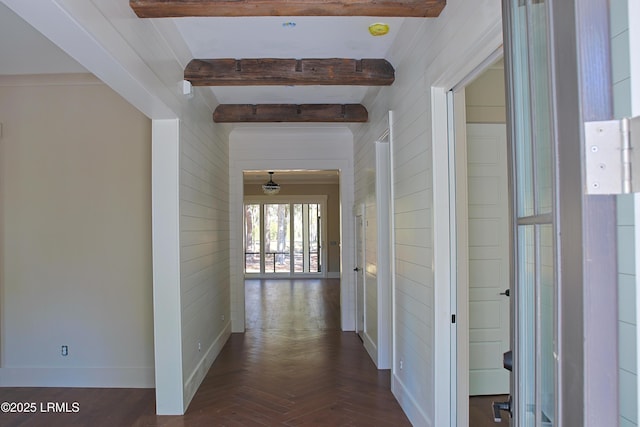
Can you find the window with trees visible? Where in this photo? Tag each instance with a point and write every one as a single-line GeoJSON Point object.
{"type": "Point", "coordinates": [283, 237]}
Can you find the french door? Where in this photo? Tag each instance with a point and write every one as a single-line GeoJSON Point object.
{"type": "Point", "coordinates": [534, 220]}
{"type": "Point", "coordinates": [563, 285]}
{"type": "Point", "coordinates": [283, 237]}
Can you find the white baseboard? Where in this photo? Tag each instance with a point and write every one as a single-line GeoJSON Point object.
{"type": "Point", "coordinates": [78, 377]}
{"type": "Point", "coordinates": [408, 404]}
{"type": "Point", "coordinates": [371, 347]}
{"type": "Point", "coordinates": [201, 369]}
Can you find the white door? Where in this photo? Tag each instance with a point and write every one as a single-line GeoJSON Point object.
{"type": "Point", "coordinates": [488, 258]}
{"type": "Point", "coordinates": [359, 272]}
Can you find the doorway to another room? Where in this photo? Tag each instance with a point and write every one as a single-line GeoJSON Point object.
{"type": "Point", "coordinates": [483, 242]}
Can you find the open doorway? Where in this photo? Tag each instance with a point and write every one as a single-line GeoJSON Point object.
{"type": "Point", "coordinates": [295, 232]}
{"type": "Point", "coordinates": [483, 242]}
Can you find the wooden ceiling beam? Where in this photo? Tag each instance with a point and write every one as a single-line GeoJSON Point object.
{"type": "Point", "coordinates": [288, 72]}
{"type": "Point", "coordinates": [276, 113]}
{"type": "Point", "coordinates": [383, 8]}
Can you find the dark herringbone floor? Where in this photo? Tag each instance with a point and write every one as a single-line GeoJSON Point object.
{"type": "Point", "coordinates": [293, 367]}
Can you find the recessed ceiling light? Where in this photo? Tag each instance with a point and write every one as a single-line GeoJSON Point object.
{"type": "Point", "coordinates": [378, 29]}
{"type": "Point", "coordinates": [289, 24]}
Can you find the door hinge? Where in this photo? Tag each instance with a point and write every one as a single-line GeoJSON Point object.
{"type": "Point", "coordinates": [453, 318]}
{"type": "Point", "coordinates": [612, 156]}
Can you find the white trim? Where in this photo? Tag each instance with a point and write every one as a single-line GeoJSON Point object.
{"type": "Point", "coordinates": [167, 325]}
{"type": "Point", "coordinates": [383, 273]}
{"type": "Point", "coordinates": [460, 273]}
{"type": "Point", "coordinates": [77, 377]}
{"type": "Point", "coordinates": [392, 243]}
{"type": "Point", "coordinates": [441, 226]}
{"type": "Point", "coordinates": [411, 408]}
{"type": "Point", "coordinates": [371, 347]}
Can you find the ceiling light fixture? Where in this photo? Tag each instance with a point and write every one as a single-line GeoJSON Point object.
{"type": "Point", "coordinates": [378, 29]}
{"type": "Point", "coordinates": [270, 188]}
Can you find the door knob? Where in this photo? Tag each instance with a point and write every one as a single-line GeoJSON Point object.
{"type": "Point", "coordinates": [356, 269]}
{"type": "Point", "coordinates": [507, 360]}
{"type": "Point", "coordinates": [501, 406]}
{"type": "Point", "coordinates": [507, 292]}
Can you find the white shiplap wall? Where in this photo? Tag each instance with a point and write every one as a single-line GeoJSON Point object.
{"type": "Point", "coordinates": [427, 53]}
{"type": "Point", "coordinates": [204, 248]}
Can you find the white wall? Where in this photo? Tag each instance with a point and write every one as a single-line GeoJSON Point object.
{"type": "Point", "coordinates": [76, 235]}
{"type": "Point", "coordinates": [422, 310]}
{"type": "Point", "coordinates": [204, 248]}
{"type": "Point", "coordinates": [264, 147]}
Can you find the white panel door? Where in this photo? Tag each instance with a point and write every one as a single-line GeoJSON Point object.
{"type": "Point", "coordinates": [488, 258]}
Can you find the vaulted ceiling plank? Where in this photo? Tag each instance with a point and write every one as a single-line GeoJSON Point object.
{"type": "Point", "coordinates": [274, 71]}
{"type": "Point", "coordinates": [383, 8]}
{"type": "Point", "coordinates": [276, 113]}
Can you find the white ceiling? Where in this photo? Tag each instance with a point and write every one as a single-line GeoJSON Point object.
{"type": "Point", "coordinates": [25, 51]}
{"type": "Point", "coordinates": [276, 37]}
{"type": "Point", "coordinates": [293, 177]}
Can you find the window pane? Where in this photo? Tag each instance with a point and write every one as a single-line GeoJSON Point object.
{"type": "Point", "coordinates": [298, 239]}
{"type": "Point", "coordinates": [541, 123]}
{"type": "Point", "coordinates": [547, 316]}
{"type": "Point", "coordinates": [277, 238]}
{"type": "Point", "coordinates": [522, 125]}
{"type": "Point", "coordinates": [252, 238]}
{"type": "Point", "coordinates": [526, 351]}
{"type": "Point", "coordinates": [314, 242]}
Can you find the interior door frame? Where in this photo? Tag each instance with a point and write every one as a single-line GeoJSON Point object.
{"type": "Point", "coordinates": [447, 333]}
{"type": "Point", "coordinates": [456, 103]}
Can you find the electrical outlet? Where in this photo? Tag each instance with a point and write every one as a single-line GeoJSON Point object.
{"type": "Point", "coordinates": [199, 346]}
{"type": "Point", "coordinates": [223, 317]}
{"type": "Point", "coordinates": [64, 351]}
{"type": "Point", "coordinates": [401, 364]}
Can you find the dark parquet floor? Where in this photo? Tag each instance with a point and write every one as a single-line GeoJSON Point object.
{"type": "Point", "coordinates": [292, 367]}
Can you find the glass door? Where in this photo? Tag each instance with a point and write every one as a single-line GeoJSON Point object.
{"type": "Point", "coordinates": [565, 305]}
{"type": "Point", "coordinates": [534, 310]}
{"type": "Point", "coordinates": [283, 238]}
{"type": "Point", "coordinates": [277, 252]}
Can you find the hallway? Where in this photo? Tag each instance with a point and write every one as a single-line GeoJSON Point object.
{"type": "Point", "coordinates": [292, 367]}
